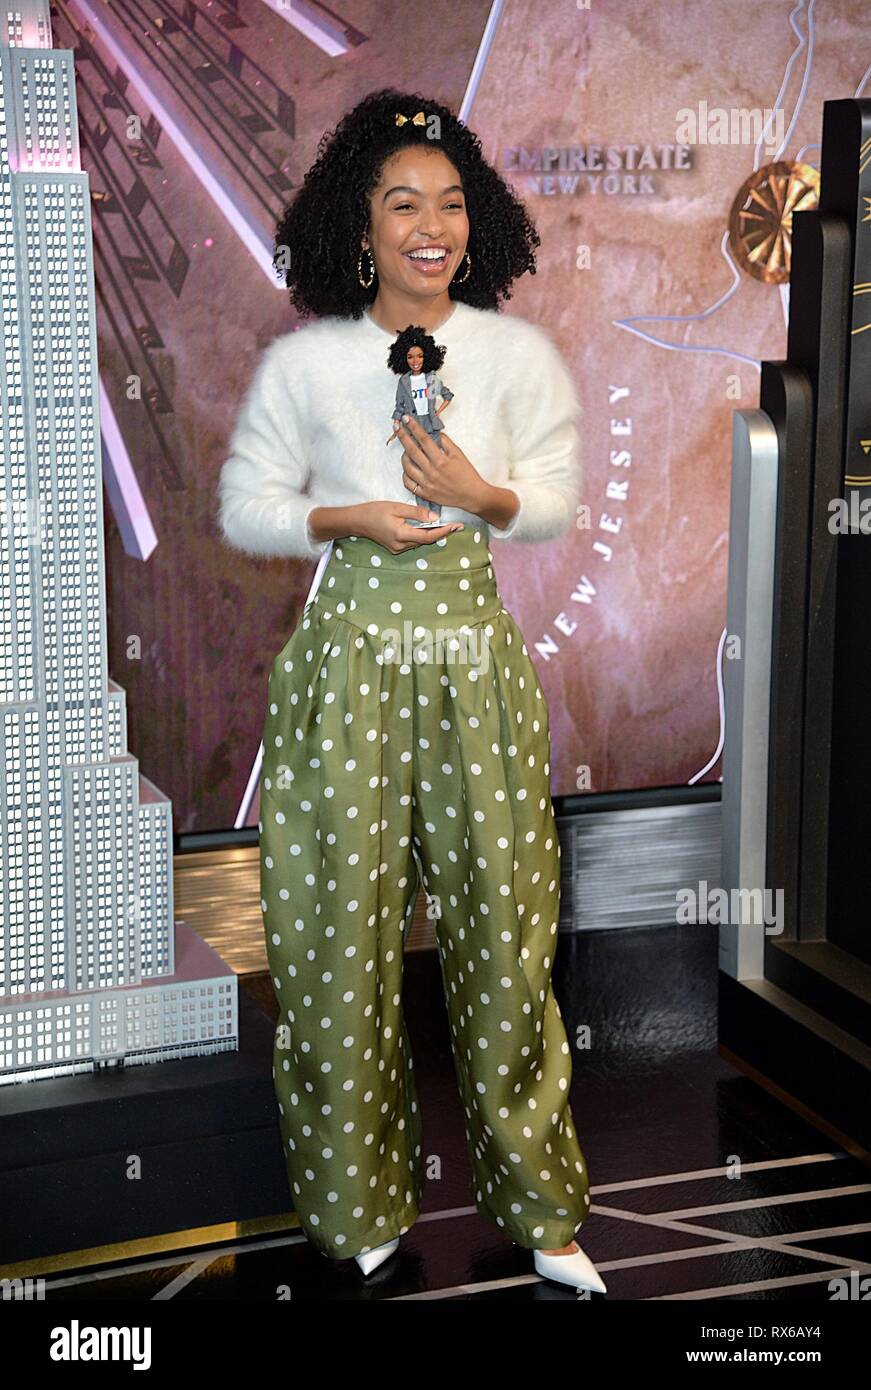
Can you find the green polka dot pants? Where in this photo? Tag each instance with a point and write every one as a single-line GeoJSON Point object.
{"type": "Point", "coordinates": [407, 734]}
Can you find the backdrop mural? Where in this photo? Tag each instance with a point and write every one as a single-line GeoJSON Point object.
{"type": "Point", "coordinates": [661, 158]}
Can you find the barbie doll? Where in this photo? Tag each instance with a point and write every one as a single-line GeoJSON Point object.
{"type": "Point", "coordinates": [416, 358]}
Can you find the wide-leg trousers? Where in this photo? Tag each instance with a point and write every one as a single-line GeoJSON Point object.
{"type": "Point", "coordinates": [407, 736]}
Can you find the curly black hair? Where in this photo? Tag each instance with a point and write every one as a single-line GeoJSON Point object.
{"type": "Point", "coordinates": [317, 240]}
{"type": "Point", "coordinates": [414, 336]}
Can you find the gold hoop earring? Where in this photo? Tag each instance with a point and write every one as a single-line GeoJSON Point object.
{"type": "Point", "coordinates": [463, 278]}
{"type": "Point", "coordinates": [365, 283]}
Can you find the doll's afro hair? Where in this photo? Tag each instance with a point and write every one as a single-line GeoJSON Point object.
{"type": "Point", "coordinates": [413, 336]}
{"type": "Point", "coordinates": [317, 240]}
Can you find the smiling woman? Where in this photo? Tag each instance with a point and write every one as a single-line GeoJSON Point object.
{"type": "Point", "coordinates": [376, 773]}
{"type": "Point", "coordinates": [354, 187]}
{"type": "Point", "coordinates": [417, 232]}
{"type": "Point", "coordinates": [397, 224]}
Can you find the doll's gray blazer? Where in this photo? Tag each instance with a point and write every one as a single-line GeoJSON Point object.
{"type": "Point", "coordinates": [405, 402]}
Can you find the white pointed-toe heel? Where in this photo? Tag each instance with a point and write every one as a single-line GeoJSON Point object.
{"type": "Point", "coordinates": [371, 1259]}
{"type": "Point", "coordinates": [577, 1269]}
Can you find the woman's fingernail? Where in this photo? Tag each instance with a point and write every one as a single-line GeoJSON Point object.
{"type": "Point", "coordinates": [405, 417]}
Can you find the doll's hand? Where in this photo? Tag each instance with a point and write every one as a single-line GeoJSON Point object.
{"type": "Point", "coordinates": [386, 523]}
{"type": "Point", "coordinates": [443, 474]}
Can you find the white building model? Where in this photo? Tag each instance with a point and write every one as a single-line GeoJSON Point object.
{"type": "Point", "coordinates": [93, 969]}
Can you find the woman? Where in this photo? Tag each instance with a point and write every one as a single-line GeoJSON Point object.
{"type": "Point", "coordinates": [388, 746]}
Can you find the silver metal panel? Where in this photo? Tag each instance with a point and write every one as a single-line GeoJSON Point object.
{"type": "Point", "coordinates": [746, 686]}
{"type": "Point", "coordinates": [625, 868]}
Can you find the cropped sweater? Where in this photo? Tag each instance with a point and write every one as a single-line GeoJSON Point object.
{"type": "Point", "coordinates": [312, 428]}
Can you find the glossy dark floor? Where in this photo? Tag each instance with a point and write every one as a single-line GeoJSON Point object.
{"type": "Point", "coordinates": [703, 1186]}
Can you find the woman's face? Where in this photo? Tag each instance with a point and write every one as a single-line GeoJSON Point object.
{"type": "Point", "coordinates": [414, 358]}
{"type": "Point", "coordinates": [417, 207]}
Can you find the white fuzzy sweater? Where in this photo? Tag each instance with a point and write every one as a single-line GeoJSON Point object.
{"type": "Point", "coordinates": [312, 428]}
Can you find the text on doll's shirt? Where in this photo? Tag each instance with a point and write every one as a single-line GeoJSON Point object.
{"type": "Point", "coordinates": [419, 392]}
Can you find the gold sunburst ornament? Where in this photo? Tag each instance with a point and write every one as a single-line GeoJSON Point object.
{"type": "Point", "coordinates": [760, 220]}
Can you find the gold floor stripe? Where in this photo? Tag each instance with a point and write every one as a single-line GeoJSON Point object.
{"type": "Point", "coordinates": [149, 1245]}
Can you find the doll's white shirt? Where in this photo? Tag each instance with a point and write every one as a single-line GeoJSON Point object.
{"type": "Point", "coordinates": [418, 392]}
{"type": "Point", "coordinates": [312, 427]}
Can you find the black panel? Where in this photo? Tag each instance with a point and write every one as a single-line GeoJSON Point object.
{"type": "Point", "coordinates": [846, 192]}
{"type": "Point", "coordinates": [796, 1060]}
{"type": "Point", "coordinates": [806, 1027]}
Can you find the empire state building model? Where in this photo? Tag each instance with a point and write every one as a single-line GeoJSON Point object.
{"type": "Point", "coordinates": [93, 969]}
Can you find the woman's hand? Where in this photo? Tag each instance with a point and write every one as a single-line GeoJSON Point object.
{"type": "Point", "coordinates": [442, 475]}
{"type": "Point", "coordinates": [386, 523]}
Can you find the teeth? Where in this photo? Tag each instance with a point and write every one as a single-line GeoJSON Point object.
{"type": "Point", "coordinates": [428, 255]}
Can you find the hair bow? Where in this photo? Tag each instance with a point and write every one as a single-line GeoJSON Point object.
{"type": "Point", "coordinates": [419, 119]}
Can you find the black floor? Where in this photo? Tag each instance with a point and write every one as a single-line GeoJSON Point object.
{"type": "Point", "coordinates": [703, 1186]}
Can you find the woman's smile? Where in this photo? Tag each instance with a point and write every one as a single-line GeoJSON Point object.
{"type": "Point", "coordinates": [428, 260]}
